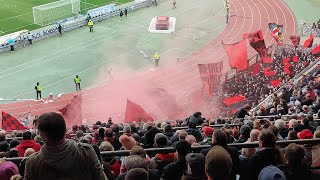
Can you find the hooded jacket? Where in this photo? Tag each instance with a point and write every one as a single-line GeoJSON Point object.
{"type": "Point", "coordinates": [69, 160]}
{"type": "Point", "coordinates": [25, 144]}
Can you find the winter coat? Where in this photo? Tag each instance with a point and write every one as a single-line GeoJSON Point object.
{"type": "Point", "coordinates": [25, 144]}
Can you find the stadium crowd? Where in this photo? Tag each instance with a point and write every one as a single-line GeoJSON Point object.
{"type": "Point", "coordinates": [316, 25]}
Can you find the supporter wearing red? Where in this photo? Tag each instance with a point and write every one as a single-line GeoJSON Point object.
{"type": "Point", "coordinates": [196, 167]}
{"type": "Point", "coordinates": [296, 167]}
{"type": "Point", "coordinates": [268, 155]}
{"type": "Point", "coordinates": [26, 143]}
{"type": "Point", "coordinates": [175, 170]}
{"type": "Point", "coordinates": [161, 159]}
{"type": "Point", "coordinates": [207, 135]}
{"type": "Point", "coordinates": [218, 164]}
{"type": "Point", "coordinates": [60, 158]}
{"type": "Point", "coordinates": [112, 161]}
{"type": "Point", "coordinates": [220, 138]}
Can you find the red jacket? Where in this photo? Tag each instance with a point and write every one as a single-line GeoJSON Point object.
{"type": "Point", "coordinates": [25, 144]}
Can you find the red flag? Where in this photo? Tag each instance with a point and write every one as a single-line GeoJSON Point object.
{"type": "Point", "coordinates": [255, 69]}
{"type": "Point", "coordinates": [237, 55]}
{"type": "Point", "coordinates": [295, 40]}
{"type": "Point", "coordinates": [286, 60]}
{"type": "Point", "coordinates": [276, 32]}
{"type": "Point", "coordinates": [275, 83]}
{"type": "Point", "coordinates": [294, 59]}
{"type": "Point", "coordinates": [257, 42]}
{"type": "Point", "coordinates": [286, 68]}
{"type": "Point", "coordinates": [268, 73]}
{"type": "Point", "coordinates": [72, 112]}
{"type": "Point", "coordinates": [308, 42]}
{"type": "Point", "coordinates": [135, 112]}
{"type": "Point", "coordinates": [233, 100]}
{"type": "Point", "coordinates": [210, 76]}
{"type": "Point", "coordinates": [11, 123]}
{"type": "Point", "coordinates": [167, 103]}
{"type": "Point", "coordinates": [316, 51]}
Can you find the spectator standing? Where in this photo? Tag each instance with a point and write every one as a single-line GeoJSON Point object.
{"type": "Point", "coordinates": [126, 12]}
{"type": "Point", "coordinates": [30, 38]}
{"type": "Point", "coordinates": [60, 29]}
{"type": "Point", "coordinates": [176, 169]}
{"type": "Point", "coordinates": [174, 4]}
{"type": "Point", "coordinates": [121, 14]}
{"type": "Point", "coordinates": [27, 142]}
{"type": "Point", "coordinates": [11, 44]}
{"type": "Point", "coordinates": [60, 158]}
{"type": "Point", "coordinates": [77, 81]}
{"type": "Point", "coordinates": [196, 118]}
{"type": "Point", "coordinates": [4, 145]}
{"type": "Point", "coordinates": [192, 130]}
{"type": "Point", "coordinates": [38, 90]}
{"type": "Point", "coordinates": [90, 24]}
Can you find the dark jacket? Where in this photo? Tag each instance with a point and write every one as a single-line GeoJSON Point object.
{"type": "Point", "coordinates": [153, 175]}
{"type": "Point", "coordinates": [241, 113]}
{"type": "Point", "coordinates": [175, 170]}
{"type": "Point", "coordinates": [190, 177]}
{"type": "Point", "coordinates": [196, 133]}
{"type": "Point", "coordinates": [4, 146]}
{"type": "Point", "coordinates": [261, 159]}
{"type": "Point", "coordinates": [284, 132]}
{"type": "Point", "coordinates": [195, 118]}
{"type": "Point", "coordinates": [298, 173]}
{"type": "Point", "coordinates": [234, 156]}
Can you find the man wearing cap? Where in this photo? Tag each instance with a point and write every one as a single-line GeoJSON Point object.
{"type": "Point", "coordinates": [207, 135]}
{"type": "Point", "coordinates": [175, 170]}
{"type": "Point", "coordinates": [196, 167]}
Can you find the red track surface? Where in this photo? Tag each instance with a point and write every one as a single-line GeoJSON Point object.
{"type": "Point", "coordinates": [179, 80]}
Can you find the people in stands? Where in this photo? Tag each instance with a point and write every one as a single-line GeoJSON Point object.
{"type": "Point", "coordinates": [218, 164]}
{"type": "Point", "coordinates": [192, 130]}
{"type": "Point", "coordinates": [268, 155]}
{"type": "Point", "coordinates": [7, 169]}
{"type": "Point", "coordinates": [111, 138]}
{"type": "Point", "coordinates": [27, 142]}
{"type": "Point", "coordinates": [137, 173]}
{"type": "Point", "coordinates": [4, 145]}
{"type": "Point", "coordinates": [161, 159]}
{"type": "Point", "coordinates": [61, 158]}
{"type": "Point", "coordinates": [220, 138]}
{"type": "Point", "coordinates": [195, 167]}
{"type": "Point", "coordinates": [207, 135]}
{"type": "Point", "coordinates": [242, 112]}
{"type": "Point", "coordinates": [196, 119]}
{"type": "Point", "coordinates": [271, 172]}
{"type": "Point", "coordinates": [176, 169]}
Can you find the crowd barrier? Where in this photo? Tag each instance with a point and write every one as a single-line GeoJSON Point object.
{"type": "Point", "coordinates": [71, 24]}
{"type": "Point", "coordinates": [152, 151]}
{"type": "Point", "coordinates": [307, 30]}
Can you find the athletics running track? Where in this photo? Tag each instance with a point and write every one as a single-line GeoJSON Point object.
{"type": "Point", "coordinates": [178, 79]}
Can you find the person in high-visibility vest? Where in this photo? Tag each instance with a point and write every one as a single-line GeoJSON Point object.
{"type": "Point", "coordinates": [90, 24]}
{"type": "Point", "coordinates": [77, 80]}
{"type": "Point", "coordinates": [157, 59]}
{"type": "Point", "coordinates": [38, 90]}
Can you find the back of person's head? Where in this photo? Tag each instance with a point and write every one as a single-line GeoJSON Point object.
{"type": "Point", "coordinates": [2, 136]}
{"type": "Point", "coordinates": [316, 134]}
{"type": "Point", "coordinates": [26, 135]}
{"type": "Point", "coordinates": [108, 133]}
{"type": "Point", "coordinates": [14, 143]}
{"type": "Point", "coordinates": [137, 173]}
{"type": "Point", "coordinates": [280, 124]}
{"type": "Point", "coordinates": [75, 127]}
{"type": "Point", "coordinates": [254, 134]}
{"type": "Point", "coordinates": [97, 151]}
{"type": "Point", "coordinates": [115, 128]}
{"type": "Point", "coordinates": [52, 127]}
{"type": "Point", "coordinates": [274, 130]}
{"type": "Point", "coordinates": [139, 151]}
{"type": "Point", "coordinates": [127, 129]}
{"type": "Point", "coordinates": [28, 152]}
{"type": "Point", "coordinates": [310, 117]}
{"type": "Point", "coordinates": [190, 139]}
{"type": "Point", "coordinates": [271, 173]}
{"type": "Point", "coordinates": [294, 154]}
{"type": "Point", "coordinates": [267, 138]}
{"type": "Point", "coordinates": [79, 134]}
{"type": "Point", "coordinates": [218, 163]}
{"type": "Point", "coordinates": [182, 134]}
{"type": "Point", "coordinates": [182, 147]}
{"type": "Point", "coordinates": [167, 128]}
{"type": "Point", "coordinates": [292, 135]}
{"type": "Point", "coordinates": [161, 140]}
{"type": "Point", "coordinates": [106, 146]}
{"type": "Point", "coordinates": [219, 138]}
{"type": "Point", "coordinates": [136, 161]}
{"type": "Point", "coordinates": [298, 127]}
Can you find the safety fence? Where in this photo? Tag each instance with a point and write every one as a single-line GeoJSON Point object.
{"type": "Point", "coordinates": [71, 24]}
{"type": "Point", "coordinates": [152, 151]}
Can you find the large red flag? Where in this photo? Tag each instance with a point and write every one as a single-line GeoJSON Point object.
{"type": "Point", "coordinates": [237, 55]}
{"type": "Point", "coordinates": [308, 43]}
{"type": "Point", "coordinates": [257, 42]}
{"type": "Point", "coordinates": [167, 103]}
{"type": "Point", "coordinates": [275, 82]}
{"type": "Point", "coordinates": [210, 76]}
{"type": "Point", "coordinates": [285, 60]}
{"type": "Point", "coordinates": [135, 112]}
{"type": "Point", "coordinates": [234, 99]}
{"type": "Point", "coordinates": [295, 40]}
{"type": "Point", "coordinates": [72, 112]}
{"type": "Point", "coordinates": [286, 68]}
{"type": "Point", "coordinates": [11, 123]}
{"type": "Point", "coordinates": [316, 51]}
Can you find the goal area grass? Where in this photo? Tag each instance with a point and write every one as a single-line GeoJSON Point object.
{"type": "Point", "coordinates": [17, 15]}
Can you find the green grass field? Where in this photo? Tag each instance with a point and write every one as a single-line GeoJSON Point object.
{"type": "Point", "coordinates": [17, 15]}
